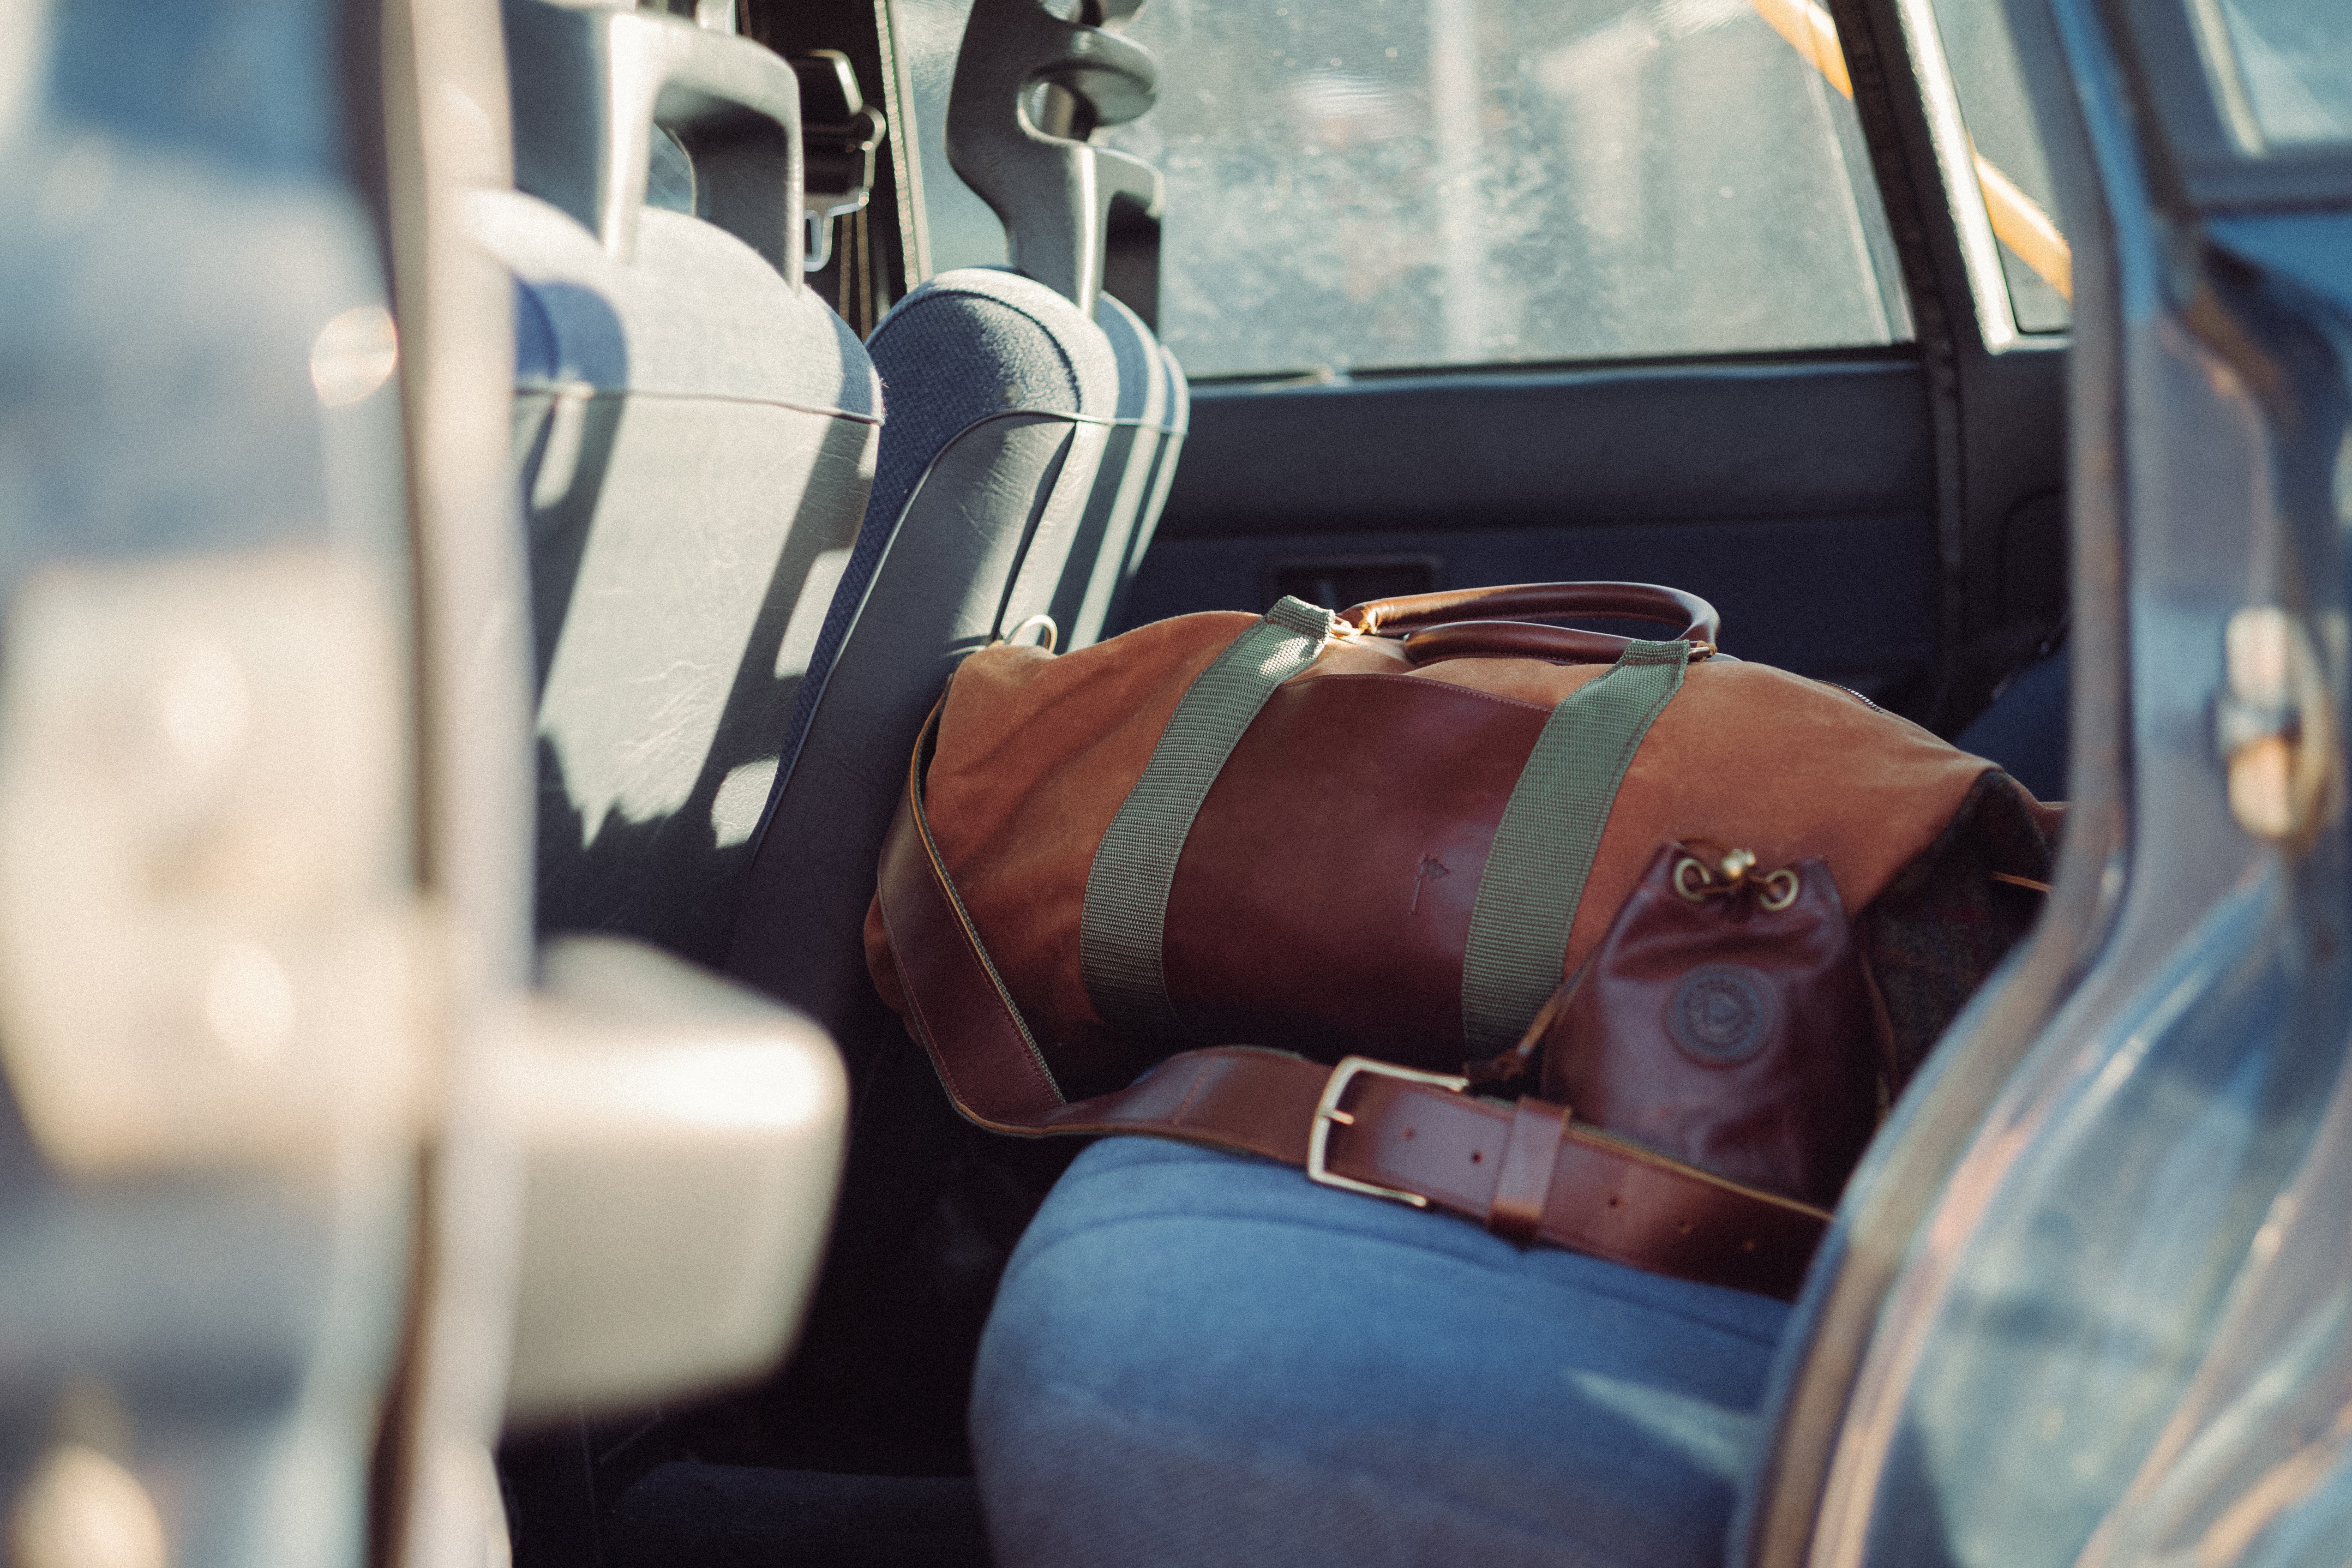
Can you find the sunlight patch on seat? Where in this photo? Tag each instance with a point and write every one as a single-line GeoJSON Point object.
{"type": "Point", "coordinates": [1721, 1441]}
{"type": "Point", "coordinates": [742, 796]}
{"type": "Point", "coordinates": [808, 614]}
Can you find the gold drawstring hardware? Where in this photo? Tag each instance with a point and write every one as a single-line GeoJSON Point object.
{"type": "Point", "coordinates": [2028, 883]}
{"type": "Point", "coordinates": [1733, 870]}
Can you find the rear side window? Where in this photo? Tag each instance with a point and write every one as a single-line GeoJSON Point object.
{"type": "Point", "coordinates": [958, 228]}
{"type": "Point", "coordinates": [1360, 184]}
{"type": "Point", "coordinates": [2284, 68]}
{"type": "Point", "coordinates": [2012, 173]}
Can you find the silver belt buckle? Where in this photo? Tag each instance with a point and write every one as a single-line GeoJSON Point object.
{"type": "Point", "coordinates": [1328, 1112]}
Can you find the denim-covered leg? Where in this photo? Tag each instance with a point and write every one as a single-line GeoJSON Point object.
{"type": "Point", "coordinates": [1197, 1358]}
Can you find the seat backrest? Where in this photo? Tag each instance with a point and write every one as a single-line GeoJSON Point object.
{"type": "Point", "coordinates": [1001, 398]}
{"type": "Point", "coordinates": [1073, 211]}
{"type": "Point", "coordinates": [696, 434]}
{"type": "Point", "coordinates": [1138, 466]}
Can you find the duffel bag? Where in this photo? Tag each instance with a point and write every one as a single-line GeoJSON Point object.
{"type": "Point", "coordinates": [1388, 838]}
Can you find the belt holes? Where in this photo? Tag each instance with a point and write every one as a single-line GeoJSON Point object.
{"type": "Point", "coordinates": [1685, 1227]}
{"type": "Point", "coordinates": [1408, 1132]}
{"type": "Point", "coordinates": [1478, 1156]}
{"type": "Point", "coordinates": [1612, 1200]}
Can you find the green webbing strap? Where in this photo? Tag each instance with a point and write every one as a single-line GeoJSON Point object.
{"type": "Point", "coordinates": [1543, 849]}
{"type": "Point", "coordinates": [1125, 912]}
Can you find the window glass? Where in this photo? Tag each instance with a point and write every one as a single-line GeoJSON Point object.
{"type": "Point", "coordinates": [1384, 184]}
{"type": "Point", "coordinates": [2293, 60]}
{"type": "Point", "coordinates": [962, 230]}
{"type": "Point", "coordinates": [2011, 168]}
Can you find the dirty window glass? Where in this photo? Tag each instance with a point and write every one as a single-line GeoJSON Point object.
{"type": "Point", "coordinates": [1386, 183]}
{"type": "Point", "coordinates": [963, 231]}
{"type": "Point", "coordinates": [2011, 168]}
{"type": "Point", "coordinates": [2293, 60]}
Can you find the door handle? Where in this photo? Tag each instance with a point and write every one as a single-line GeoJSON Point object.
{"type": "Point", "coordinates": [2275, 728]}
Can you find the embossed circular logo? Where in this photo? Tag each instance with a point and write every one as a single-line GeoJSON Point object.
{"type": "Point", "coordinates": [1721, 1014]}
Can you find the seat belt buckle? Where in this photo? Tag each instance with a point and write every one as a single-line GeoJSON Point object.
{"type": "Point", "coordinates": [1327, 1114]}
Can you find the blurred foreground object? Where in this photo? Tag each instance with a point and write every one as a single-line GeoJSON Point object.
{"type": "Point", "coordinates": [286, 1134]}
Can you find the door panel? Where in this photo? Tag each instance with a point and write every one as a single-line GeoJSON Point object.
{"type": "Point", "coordinates": [1797, 496]}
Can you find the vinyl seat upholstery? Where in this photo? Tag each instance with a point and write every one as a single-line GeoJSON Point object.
{"type": "Point", "coordinates": [1138, 465]}
{"type": "Point", "coordinates": [1002, 400]}
{"type": "Point", "coordinates": [694, 442]}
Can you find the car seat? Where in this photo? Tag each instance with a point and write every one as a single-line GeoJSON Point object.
{"type": "Point", "coordinates": [695, 433]}
{"type": "Point", "coordinates": [1031, 439]}
{"type": "Point", "coordinates": [1138, 464]}
{"type": "Point", "coordinates": [1001, 399]}
{"type": "Point", "coordinates": [1084, 220]}
{"type": "Point", "coordinates": [990, 509]}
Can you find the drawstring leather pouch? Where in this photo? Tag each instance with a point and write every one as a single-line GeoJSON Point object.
{"type": "Point", "coordinates": [1724, 1020]}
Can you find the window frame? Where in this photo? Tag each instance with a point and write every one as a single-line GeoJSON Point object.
{"type": "Point", "coordinates": [2207, 159]}
{"type": "Point", "coordinates": [1980, 250]}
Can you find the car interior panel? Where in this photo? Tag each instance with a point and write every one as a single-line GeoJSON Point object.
{"type": "Point", "coordinates": [1822, 561]}
{"type": "Point", "coordinates": [524, 521]}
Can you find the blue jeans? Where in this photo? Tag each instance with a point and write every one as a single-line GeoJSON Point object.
{"type": "Point", "coordinates": [1199, 1358]}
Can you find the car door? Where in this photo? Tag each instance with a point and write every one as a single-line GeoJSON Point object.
{"type": "Point", "coordinates": [1588, 288]}
{"type": "Point", "coordinates": [208, 909]}
{"type": "Point", "coordinates": [2084, 1299]}
{"type": "Point", "coordinates": [299, 1170]}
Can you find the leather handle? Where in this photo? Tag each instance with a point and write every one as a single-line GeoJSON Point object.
{"type": "Point", "coordinates": [1489, 620]}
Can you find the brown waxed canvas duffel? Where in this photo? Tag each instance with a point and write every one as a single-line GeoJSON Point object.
{"type": "Point", "coordinates": [1323, 896]}
{"type": "Point", "coordinates": [1313, 833]}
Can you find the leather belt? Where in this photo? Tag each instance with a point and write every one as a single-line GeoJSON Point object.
{"type": "Point", "coordinates": [1528, 1171]}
